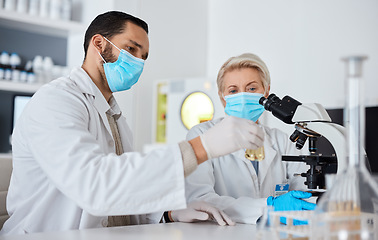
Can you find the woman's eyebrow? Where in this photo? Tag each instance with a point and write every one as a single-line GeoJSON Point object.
{"type": "Point", "coordinates": [253, 81]}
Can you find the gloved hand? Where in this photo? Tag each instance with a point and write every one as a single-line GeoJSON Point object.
{"type": "Point", "coordinates": [201, 211]}
{"type": "Point", "coordinates": [291, 201]}
{"type": "Point", "coordinates": [230, 135]}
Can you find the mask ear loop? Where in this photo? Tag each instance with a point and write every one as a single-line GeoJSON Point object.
{"type": "Point", "coordinates": [101, 56]}
{"type": "Point", "coordinates": [111, 43]}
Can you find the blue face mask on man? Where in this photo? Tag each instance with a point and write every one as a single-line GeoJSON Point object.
{"type": "Point", "coordinates": [244, 105]}
{"type": "Point", "coordinates": [123, 73]}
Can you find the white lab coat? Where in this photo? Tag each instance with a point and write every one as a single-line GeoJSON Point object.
{"type": "Point", "coordinates": [66, 174]}
{"type": "Point", "coordinates": [231, 184]}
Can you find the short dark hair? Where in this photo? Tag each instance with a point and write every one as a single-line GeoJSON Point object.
{"type": "Point", "coordinates": [109, 24]}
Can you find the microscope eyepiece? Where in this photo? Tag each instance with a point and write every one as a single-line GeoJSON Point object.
{"type": "Point", "coordinates": [262, 101]}
{"type": "Point", "coordinates": [282, 109]}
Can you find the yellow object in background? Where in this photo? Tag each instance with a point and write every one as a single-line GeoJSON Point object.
{"type": "Point", "coordinates": [161, 113]}
{"type": "Point", "coordinates": [196, 108]}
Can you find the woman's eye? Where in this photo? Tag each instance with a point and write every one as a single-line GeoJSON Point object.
{"type": "Point", "coordinates": [232, 91]}
{"type": "Point", "coordinates": [252, 89]}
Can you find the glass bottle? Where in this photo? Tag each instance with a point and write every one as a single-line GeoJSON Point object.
{"type": "Point", "coordinates": [349, 210]}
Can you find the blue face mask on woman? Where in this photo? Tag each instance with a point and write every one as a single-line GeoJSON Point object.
{"type": "Point", "coordinates": [123, 73]}
{"type": "Point", "coordinates": [244, 105]}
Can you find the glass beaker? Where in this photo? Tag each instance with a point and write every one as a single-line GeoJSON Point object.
{"type": "Point", "coordinates": [255, 154]}
{"type": "Point", "coordinates": [349, 210]}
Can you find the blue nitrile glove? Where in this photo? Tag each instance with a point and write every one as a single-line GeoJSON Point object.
{"type": "Point", "coordinates": [291, 201]}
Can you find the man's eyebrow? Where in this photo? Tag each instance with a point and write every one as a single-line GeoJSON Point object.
{"type": "Point", "coordinates": [145, 56]}
{"type": "Point", "coordinates": [136, 44]}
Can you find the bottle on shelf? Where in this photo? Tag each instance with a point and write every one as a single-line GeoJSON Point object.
{"type": "Point", "coordinates": [15, 63]}
{"type": "Point", "coordinates": [2, 64]}
{"type": "Point", "coordinates": [55, 7]}
{"type": "Point", "coordinates": [38, 68]}
{"type": "Point", "coordinates": [66, 10]}
{"type": "Point", "coordinates": [23, 75]}
{"type": "Point", "coordinates": [21, 6]}
{"type": "Point", "coordinates": [30, 78]}
{"type": "Point", "coordinates": [44, 8]}
{"type": "Point", "coordinates": [10, 5]}
{"type": "Point", "coordinates": [4, 60]}
{"type": "Point", "coordinates": [8, 73]}
{"type": "Point", "coordinates": [2, 71]}
{"type": "Point", "coordinates": [33, 7]}
{"type": "Point", "coordinates": [47, 66]}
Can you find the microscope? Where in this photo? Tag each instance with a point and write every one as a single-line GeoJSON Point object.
{"type": "Point", "coordinates": [311, 122]}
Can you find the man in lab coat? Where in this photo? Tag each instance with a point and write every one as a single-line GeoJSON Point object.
{"type": "Point", "coordinates": [73, 164]}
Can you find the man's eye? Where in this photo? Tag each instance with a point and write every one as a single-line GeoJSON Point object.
{"type": "Point", "coordinates": [130, 49]}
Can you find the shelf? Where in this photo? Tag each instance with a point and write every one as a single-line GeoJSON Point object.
{"type": "Point", "coordinates": [5, 155]}
{"type": "Point", "coordinates": [19, 87]}
{"type": "Point", "coordinates": [35, 24]}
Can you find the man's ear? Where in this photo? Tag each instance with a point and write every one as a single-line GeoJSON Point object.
{"type": "Point", "coordinates": [98, 42]}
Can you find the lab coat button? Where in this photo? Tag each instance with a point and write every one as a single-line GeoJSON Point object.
{"type": "Point", "coordinates": [105, 222]}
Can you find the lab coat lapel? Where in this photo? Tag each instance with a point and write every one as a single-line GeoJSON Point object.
{"type": "Point", "coordinates": [87, 86]}
{"type": "Point", "coordinates": [101, 109]}
{"type": "Point", "coordinates": [241, 155]}
{"type": "Point", "coordinates": [270, 155]}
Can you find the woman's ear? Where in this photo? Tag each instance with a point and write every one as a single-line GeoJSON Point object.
{"type": "Point", "coordinates": [267, 92]}
{"type": "Point", "coordinates": [222, 98]}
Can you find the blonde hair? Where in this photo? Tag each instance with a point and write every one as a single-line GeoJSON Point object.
{"type": "Point", "coordinates": [246, 60]}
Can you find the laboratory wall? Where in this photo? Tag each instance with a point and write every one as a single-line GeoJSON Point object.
{"type": "Point", "coordinates": [302, 43]}
{"type": "Point", "coordinates": [178, 49]}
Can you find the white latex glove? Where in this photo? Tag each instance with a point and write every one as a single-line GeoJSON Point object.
{"type": "Point", "coordinates": [201, 211]}
{"type": "Point", "coordinates": [230, 135]}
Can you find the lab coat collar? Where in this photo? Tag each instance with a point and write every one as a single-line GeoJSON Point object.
{"type": "Point", "coordinates": [114, 109]}
{"type": "Point", "coordinates": [87, 86]}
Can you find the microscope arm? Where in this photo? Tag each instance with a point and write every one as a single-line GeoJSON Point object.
{"type": "Point", "coordinates": [335, 134]}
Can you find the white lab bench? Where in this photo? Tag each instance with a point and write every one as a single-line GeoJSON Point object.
{"type": "Point", "coordinates": [168, 231]}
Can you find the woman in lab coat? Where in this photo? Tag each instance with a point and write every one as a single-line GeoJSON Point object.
{"type": "Point", "coordinates": [233, 183]}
